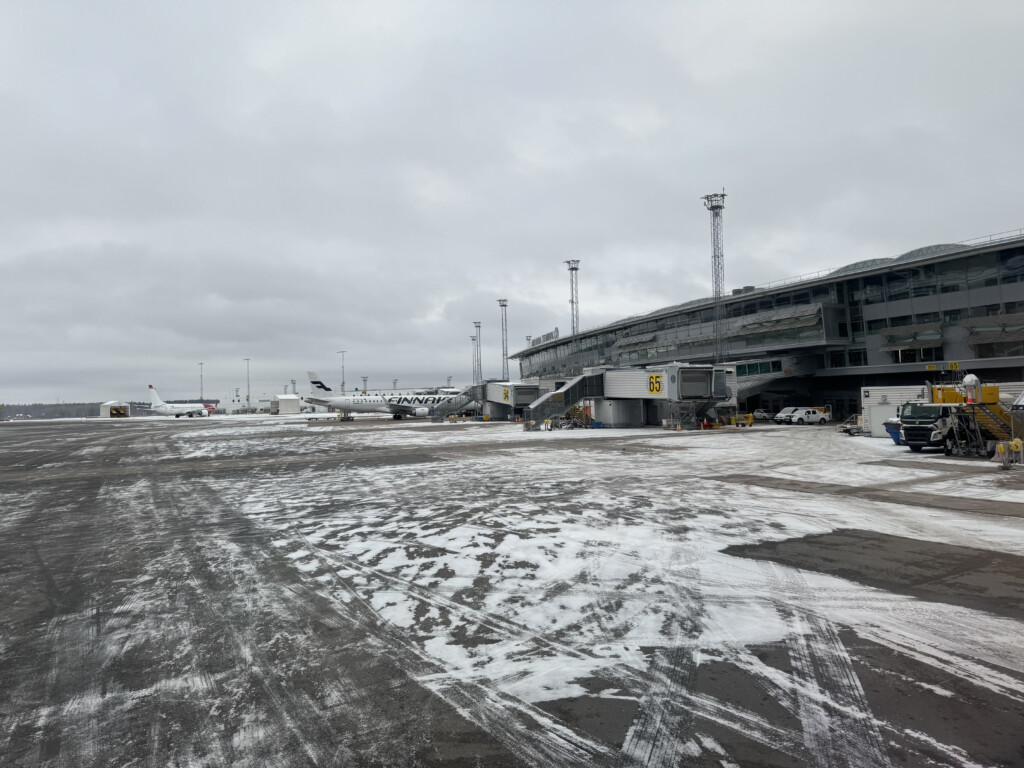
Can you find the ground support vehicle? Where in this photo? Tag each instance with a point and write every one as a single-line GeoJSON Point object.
{"type": "Point", "coordinates": [926, 425]}
{"type": "Point", "coordinates": [762, 415]}
{"type": "Point", "coordinates": [852, 426]}
{"type": "Point", "coordinates": [808, 416]}
{"type": "Point", "coordinates": [782, 416]}
{"type": "Point", "coordinates": [964, 420]}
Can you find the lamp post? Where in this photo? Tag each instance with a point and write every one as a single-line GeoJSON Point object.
{"type": "Point", "coordinates": [200, 381]}
{"type": "Point", "coordinates": [342, 353]}
{"type": "Point", "coordinates": [248, 391]}
{"type": "Point", "coordinates": [364, 384]}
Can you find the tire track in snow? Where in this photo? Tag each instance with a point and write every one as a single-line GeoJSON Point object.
{"type": "Point", "coordinates": [838, 726]}
{"type": "Point", "coordinates": [529, 732]}
{"type": "Point", "coordinates": [662, 734]}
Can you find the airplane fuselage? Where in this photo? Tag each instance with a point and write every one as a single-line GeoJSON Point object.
{"type": "Point", "coordinates": [183, 409]}
{"type": "Point", "coordinates": [177, 409]}
{"type": "Point", "coordinates": [397, 405]}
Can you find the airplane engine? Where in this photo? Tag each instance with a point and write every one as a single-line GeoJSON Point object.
{"type": "Point", "coordinates": [422, 412]}
{"type": "Point", "coordinates": [204, 412]}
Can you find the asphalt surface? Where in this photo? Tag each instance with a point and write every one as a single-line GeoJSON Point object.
{"type": "Point", "coordinates": [255, 593]}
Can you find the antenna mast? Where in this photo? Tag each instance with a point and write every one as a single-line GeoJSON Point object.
{"type": "Point", "coordinates": [716, 204]}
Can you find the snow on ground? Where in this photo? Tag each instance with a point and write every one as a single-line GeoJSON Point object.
{"type": "Point", "coordinates": [543, 562]}
{"type": "Point", "coordinates": [527, 580]}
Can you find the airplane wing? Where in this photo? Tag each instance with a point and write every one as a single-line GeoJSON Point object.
{"type": "Point", "coordinates": [316, 400]}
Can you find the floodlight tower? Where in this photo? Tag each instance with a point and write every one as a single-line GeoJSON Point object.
{"type": "Point", "coordinates": [479, 360]}
{"type": "Point", "coordinates": [716, 204]}
{"type": "Point", "coordinates": [574, 293]}
{"type": "Point", "coordinates": [200, 381]}
{"type": "Point", "coordinates": [248, 390]}
{"type": "Point", "coordinates": [472, 340]}
{"type": "Point", "coordinates": [503, 303]}
{"type": "Point", "coordinates": [342, 353]}
{"type": "Point", "coordinates": [364, 384]}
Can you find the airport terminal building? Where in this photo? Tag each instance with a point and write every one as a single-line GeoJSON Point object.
{"type": "Point", "coordinates": [819, 339]}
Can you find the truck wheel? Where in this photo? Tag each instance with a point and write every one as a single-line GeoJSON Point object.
{"type": "Point", "coordinates": [917, 448]}
{"type": "Point", "coordinates": [800, 420]}
{"type": "Point", "coordinates": [821, 420]}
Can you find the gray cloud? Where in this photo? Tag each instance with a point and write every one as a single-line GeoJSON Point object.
{"type": "Point", "coordinates": [185, 183]}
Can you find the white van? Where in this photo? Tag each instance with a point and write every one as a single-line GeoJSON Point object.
{"type": "Point", "coordinates": [782, 416]}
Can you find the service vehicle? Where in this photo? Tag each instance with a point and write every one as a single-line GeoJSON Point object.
{"type": "Point", "coordinates": [782, 417]}
{"type": "Point", "coordinates": [926, 425]}
{"type": "Point", "coordinates": [808, 416]}
{"type": "Point", "coordinates": [762, 415]}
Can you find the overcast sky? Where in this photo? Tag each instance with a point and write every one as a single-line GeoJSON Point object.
{"type": "Point", "coordinates": [206, 182]}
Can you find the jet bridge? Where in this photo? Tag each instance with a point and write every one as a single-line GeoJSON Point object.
{"type": "Point", "coordinates": [505, 401]}
{"type": "Point", "coordinates": [638, 396]}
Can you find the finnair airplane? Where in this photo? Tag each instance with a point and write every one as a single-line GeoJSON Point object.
{"type": "Point", "coordinates": [177, 409]}
{"type": "Point", "coordinates": [417, 404]}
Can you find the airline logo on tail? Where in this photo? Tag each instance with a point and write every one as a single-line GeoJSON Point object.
{"type": "Point", "coordinates": [316, 383]}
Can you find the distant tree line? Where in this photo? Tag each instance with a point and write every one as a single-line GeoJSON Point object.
{"type": "Point", "coordinates": [71, 410]}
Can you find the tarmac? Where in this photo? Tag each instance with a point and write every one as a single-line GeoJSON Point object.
{"type": "Point", "coordinates": [262, 592]}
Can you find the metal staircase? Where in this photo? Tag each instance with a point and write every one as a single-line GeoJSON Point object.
{"type": "Point", "coordinates": [967, 438]}
{"type": "Point", "coordinates": [993, 420]}
{"type": "Point", "coordinates": [474, 393]}
{"type": "Point", "coordinates": [552, 405]}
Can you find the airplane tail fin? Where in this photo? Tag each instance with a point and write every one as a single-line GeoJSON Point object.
{"type": "Point", "coordinates": [154, 398]}
{"type": "Point", "coordinates": [316, 383]}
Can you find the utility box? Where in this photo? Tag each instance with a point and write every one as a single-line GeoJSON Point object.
{"type": "Point", "coordinates": [879, 404]}
{"type": "Point", "coordinates": [286, 404]}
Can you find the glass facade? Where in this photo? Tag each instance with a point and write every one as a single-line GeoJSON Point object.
{"type": "Point", "coordinates": [901, 312]}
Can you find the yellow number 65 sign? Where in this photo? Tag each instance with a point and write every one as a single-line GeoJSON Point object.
{"type": "Point", "coordinates": [654, 383]}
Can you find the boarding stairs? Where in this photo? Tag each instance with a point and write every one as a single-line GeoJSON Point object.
{"type": "Point", "coordinates": [554, 405]}
{"type": "Point", "coordinates": [992, 419]}
{"type": "Point", "coordinates": [474, 393]}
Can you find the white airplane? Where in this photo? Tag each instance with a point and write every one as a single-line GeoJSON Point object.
{"type": "Point", "coordinates": [177, 409]}
{"type": "Point", "coordinates": [415, 404]}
